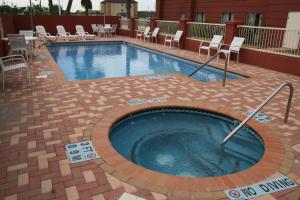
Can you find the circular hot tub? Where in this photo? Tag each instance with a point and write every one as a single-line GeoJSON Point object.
{"type": "Point", "coordinates": [185, 142]}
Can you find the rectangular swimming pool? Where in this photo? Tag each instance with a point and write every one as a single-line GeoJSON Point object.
{"type": "Point", "coordinates": [92, 60]}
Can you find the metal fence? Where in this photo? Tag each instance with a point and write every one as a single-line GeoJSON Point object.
{"type": "Point", "coordinates": [125, 24]}
{"type": "Point", "coordinates": [270, 39]}
{"type": "Point", "coordinates": [205, 31]}
{"type": "Point", "coordinates": [141, 24]}
{"type": "Point", "coordinates": [167, 27]}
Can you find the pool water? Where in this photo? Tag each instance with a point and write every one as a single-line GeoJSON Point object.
{"type": "Point", "coordinates": [185, 142]}
{"type": "Point", "coordinates": [92, 60]}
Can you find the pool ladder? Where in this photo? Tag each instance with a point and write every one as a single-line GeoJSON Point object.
{"type": "Point", "coordinates": [288, 107]}
{"type": "Point", "coordinates": [208, 61]}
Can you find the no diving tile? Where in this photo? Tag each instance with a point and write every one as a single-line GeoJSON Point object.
{"type": "Point", "coordinates": [81, 151]}
{"type": "Point", "coordinates": [127, 196]}
{"type": "Point", "coordinates": [258, 116]}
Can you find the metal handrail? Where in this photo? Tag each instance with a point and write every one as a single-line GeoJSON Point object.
{"type": "Point", "coordinates": [204, 64]}
{"type": "Point", "coordinates": [288, 107]}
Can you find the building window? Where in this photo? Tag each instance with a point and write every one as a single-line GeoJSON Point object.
{"type": "Point", "coordinates": [226, 17]}
{"type": "Point", "coordinates": [253, 19]}
{"type": "Point", "coordinates": [200, 17]}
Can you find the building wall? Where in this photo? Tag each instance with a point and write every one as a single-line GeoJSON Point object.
{"type": "Point", "coordinates": [114, 9]}
{"type": "Point", "coordinates": [275, 12]}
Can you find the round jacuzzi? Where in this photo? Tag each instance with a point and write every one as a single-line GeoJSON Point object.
{"type": "Point", "coordinates": [185, 142]}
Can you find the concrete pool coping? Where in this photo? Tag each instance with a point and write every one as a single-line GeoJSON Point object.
{"type": "Point", "coordinates": [275, 158]}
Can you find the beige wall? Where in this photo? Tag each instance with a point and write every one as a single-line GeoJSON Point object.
{"type": "Point", "coordinates": [114, 9]}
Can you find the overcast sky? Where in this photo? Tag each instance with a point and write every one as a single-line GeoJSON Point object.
{"type": "Point", "coordinates": [143, 4]}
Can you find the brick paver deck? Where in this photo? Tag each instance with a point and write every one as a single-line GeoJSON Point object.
{"type": "Point", "coordinates": [38, 121]}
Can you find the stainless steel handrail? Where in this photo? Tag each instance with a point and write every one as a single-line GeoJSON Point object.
{"type": "Point", "coordinates": [288, 107]}
{"type": "Point", "coordinates": [204, 64]}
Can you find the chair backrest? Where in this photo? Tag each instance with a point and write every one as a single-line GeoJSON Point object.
{"type": "Point", "coordinates": [61, 30]}
{"type": "Point", "coordinates": [177, 35]}
{"type": "Point", "coordinates": [216, 41]}
{"type": "Point", "coordinates": [17, 41]}
{"type": "Point", "coordinates": [114, 27]}
{"type": "Point", "coordinates": [155, 32]}
{"type": "Point", "coordinates": [236, 44]}
{"type": "Point", "coordinates": [27, 33]}
{"type": "Point", "coordinates": [94, 27]}
{"type": "Point", "coordinates": [147, 30]}
{"type": "Point", "coordinates": [100, 25]}
{"type": "Point", "coordinates": [107, 25]}
{"type": "Point", "coordinates": [80, 30]}
{"type": "Point", "coordinates": [41, 30]}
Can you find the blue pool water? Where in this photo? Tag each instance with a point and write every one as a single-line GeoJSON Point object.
{"type": "Point", "coordinates": [92, 60]}
{"type": "Point", "coordinates": [185, 142]}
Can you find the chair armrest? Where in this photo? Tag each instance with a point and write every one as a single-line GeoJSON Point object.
{"type": "Point", "coordinates": [87, 33]}
{"type": "Point", "coordinates": [68, 33]}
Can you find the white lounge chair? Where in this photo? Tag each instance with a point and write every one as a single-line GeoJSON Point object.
{"type": "Point", "coordinates": [18, 44]}
{"type": "Point", "coordinates": [83, 34]}
{"type": "Point", "coordinates": [172, 39]}
{"type": "Point", "coordinates": [141, 34]}
{"type": "Point", "coordinates": [61, 32]}
{"type": "Point", "coordinates": [153, 35]}
{"type": "Point", "coordinates": [213, 44]}
{"type": "Point", "coordinates": [234, 47]}
{"type": "Point", "coordinates": [13, 62]}
{"type": "Point", "coordinates": [41, 32]}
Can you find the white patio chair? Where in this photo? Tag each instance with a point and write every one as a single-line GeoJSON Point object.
{"type": "Point", "coordinates": [234, 47]}
{"type": "Point", "coordinates": [141, 34]}
{"type": "Point", "coordinates": [95, 29]}
{"type": "Point", "coordinates": [114, 29]}
{"type": "Point", "coordinates": [13, 62]}
{"type": "Point", "coordinates": [61, 32]}
{"type": "Point", "coordinates": [18, 44]}
{"type": "Point", "coordinates": [173, 39]}
{"type": "Point", "coordinates": [213, 44]}
{"type": "Point", "coordinates": [101, 31]}
{"type": "Point", "coordinates": [41, 32]}
{"type": "Point", "coordinates": [153, 35]}
{"type": "Point", "coordinates": [28, 33]}
{"type": "Point", "coordinates": [83, 34]}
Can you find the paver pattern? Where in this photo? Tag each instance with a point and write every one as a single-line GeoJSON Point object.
{"type": "Point", "coordinates": [37, 122]}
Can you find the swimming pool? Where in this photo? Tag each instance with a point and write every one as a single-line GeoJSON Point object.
{"type": "Point", "coordinates": [93, 60]}
{"type": "Point", "coordinates": [186, 142]}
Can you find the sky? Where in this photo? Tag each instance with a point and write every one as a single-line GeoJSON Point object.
{"type": "Point", "coordinates": [143, 4]}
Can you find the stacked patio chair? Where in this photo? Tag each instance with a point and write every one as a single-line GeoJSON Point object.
{"type": "Point", "coordinates": [153, 35]}
{"type": "Point", "coordinates": [61, 33]}
{"type": "Point", "coordinates": [213, 44]}
{"type": "Point", "coordinates": [41, 32]}
{"type": "Point", "coordinates": [173, 39]}
{"type": "Point", "coordinates": [143, 34]}
{"type": "Point", "coordinates": [83, 34]}
{"type": "Point", "coordinates": [234, 47]}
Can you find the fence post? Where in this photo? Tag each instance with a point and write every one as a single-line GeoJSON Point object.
{"type": "Point", "coordinates": [183, 26]}
{"type": "Point", "coordinates": [231, 31]}
{"type": "Point", "coordinates": [133, 26]}
{"type": "Point", "coordinates": [153, 23]}
{"type": "Point", "coordinates": [119, 24]}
